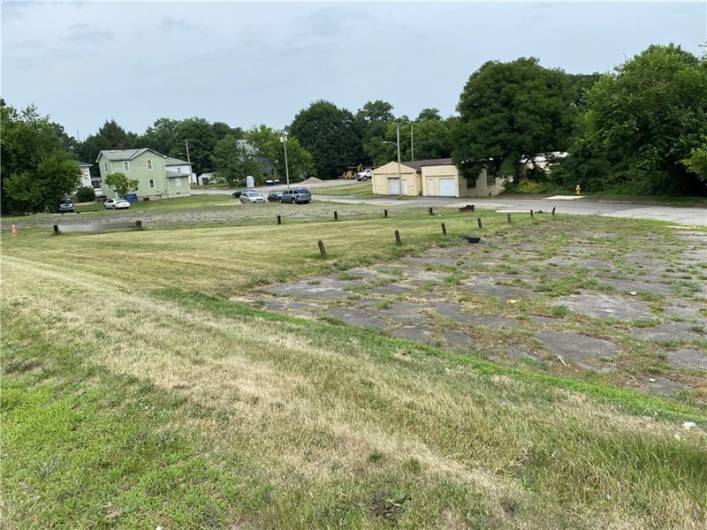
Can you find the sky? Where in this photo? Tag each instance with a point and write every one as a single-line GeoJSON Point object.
{"type": "Point", "coordinates": [251, 63]}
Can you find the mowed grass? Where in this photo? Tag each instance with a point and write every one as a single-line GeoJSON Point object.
{"type": "Point", "coordinates": [135, 395]}
{"type": "Point", "coordinates": [355, 189]}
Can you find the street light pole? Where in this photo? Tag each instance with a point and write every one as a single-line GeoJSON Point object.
{"type": "Point", "coordinates": [400, 181]}
{"type": "Point", "coordinates": [283, 139]}
{"type": "Point", "coordinates": [412, 142]}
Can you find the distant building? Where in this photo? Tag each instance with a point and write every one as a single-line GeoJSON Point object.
{"type": "Point", "coordinates": [86, 180]}
{"type": "Point", "coordinates": [158, 176]}
{"type": "Point", "coordinates": [436, 178]}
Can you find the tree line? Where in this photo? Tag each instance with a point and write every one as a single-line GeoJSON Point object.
{"type": "Point", "coordinates": [641, 128]}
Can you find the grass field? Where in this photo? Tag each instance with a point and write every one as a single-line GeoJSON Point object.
{"type": "Point", "coordinates": [355, 189]}
{"type": "Point", "coordinates": [139, 393]}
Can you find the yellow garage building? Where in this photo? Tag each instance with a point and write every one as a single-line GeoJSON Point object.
{"type": "Point", "coordinates": [434, 178]}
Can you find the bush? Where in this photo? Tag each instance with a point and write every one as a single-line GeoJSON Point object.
{"type": "Point", "coordinates": [85, 194]}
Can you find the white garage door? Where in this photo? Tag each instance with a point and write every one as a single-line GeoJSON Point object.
{"type": "Point", "coordinates": [393, 186]}
{"type": "Point", "coordinates": [447, 187]}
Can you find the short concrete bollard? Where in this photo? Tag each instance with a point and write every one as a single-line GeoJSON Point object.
{"type": "Point", "coordinates": [432, 211]}
{"type": "Point", "coordinates": [336, 215]}
{"type": "Point", "coordinates": [397, 238]}
{"type": "Point", "coordinates": [138, 224]}
{"type": "Point", "coordinates": [279, 220]}
{"type": "Point", "coordinates": [385, 213]}
{"type": "Point", "coordinates": [508, 216]}
{"type": "Point", "coordinates": [531, 213]}
{"type": "Point", "coordinates": [553, 210]}
{"type": "Point", "coordinates": [479, 222]}
{"type": "Point", "coordinates": [444, 229]}
{"type": "Point", "coordinates": [322, 250]}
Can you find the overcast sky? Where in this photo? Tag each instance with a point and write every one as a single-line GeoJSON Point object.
{"type": "Point", "coordinates": [247, 63]}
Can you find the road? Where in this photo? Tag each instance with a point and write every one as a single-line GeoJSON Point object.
{"type": "Point", "coordinates": [673, 214]}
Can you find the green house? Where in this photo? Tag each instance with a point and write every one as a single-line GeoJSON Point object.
{"type": "Point", "coordinates": [155, 172]}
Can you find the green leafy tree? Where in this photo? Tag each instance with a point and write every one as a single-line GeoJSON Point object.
{"type": "Point", "coordinates": [697, 161]}
{"type": "Point", "coordinates": [162, 135]}
{"type": "Point", "coordinates": [268, 145]}
{"type": "Point", "coordinates": [509, 111]}
{"type": "Point", "coordinates": [644, 128]}
{"type": "Point", "coordinates": [110, 136]}
{"type": "Point", "coordinates": [372, 121]}
{"type": "Point", "coordinates": [121, 184]}
{"type": "Point", "coordinates": [233, 162]}
{"type": "Point", "coordinates": [169, 137]}
{"type": "Point", "coordinates": [36, 170]}
{"type": "Point", "coordinates": [331, 135]}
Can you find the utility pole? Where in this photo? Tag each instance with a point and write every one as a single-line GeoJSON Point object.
{"type": "Point", "coordinates": [186, 142]}
{"type": "Point", "coordinates": [283, 139]}
{"type": "Point", "coordinates": [412, 142]}
{"type": "Point", "coordinates": [400, 181]}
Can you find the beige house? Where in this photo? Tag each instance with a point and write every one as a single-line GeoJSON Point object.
{"type": "Point", "coordinates": [434, 178]}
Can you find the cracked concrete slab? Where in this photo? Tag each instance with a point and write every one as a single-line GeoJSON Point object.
{"type": "Point", "coordinates": [606, 306]}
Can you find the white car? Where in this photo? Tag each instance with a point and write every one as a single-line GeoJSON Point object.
{"type": "Point", "coordinates": [252, 196]}
{"type": "Point", "coordinates": [116, 204]}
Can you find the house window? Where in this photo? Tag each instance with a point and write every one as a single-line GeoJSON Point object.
{"type": "Point", "coordinates": [490, 179]}
{"type": "Point", "coordinates": [177, 182]}
{"type": "Point", "coordinates": [148, 164]}
{"type": "Point", "coordinates": [105, 165]}
{"type": "Point", "coordinates": [152, 184]}
{"type": "Point", "coordinates": [126, 165]}
{"type": "Point", "coordinates": [470, 182]}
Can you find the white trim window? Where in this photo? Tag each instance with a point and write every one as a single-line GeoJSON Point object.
{"type": "Point", "coordinates": [105, 166]}
{"type": "Point", "coordinates": [152, 184]}
{"type": "Point", "coordinates": [126, 165]}
{"type": "Point", "coordinates": [148, 164]}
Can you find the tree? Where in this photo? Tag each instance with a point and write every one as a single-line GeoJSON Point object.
{"type": "Point", "coordinates": [372, 121]}
{"type": "Point", "coordinates": [268, 145]}
{"type": "Point", "coordinates": [169, 137]}
{"type": "Point", "coordinates": [330, 134]}
{"type": "Point", "coordinates": [110, 136]}
{"type": "Point", "coordinates": [36, 171]}
{"type": "Point", "coordinates": [644, 128]}
{"type": "Point", "coordinates": [697, 161]}
{"type": "Point", "coordinates": [509, 111]}
{"type": "Point", "coordinates": [233, 162]}
{"type": "Point", "coordinates": [120, 183]}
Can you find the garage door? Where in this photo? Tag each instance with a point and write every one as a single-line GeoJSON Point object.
{"type": "Point", "coordinates": [447, 187]}
{"type": "Point", "coordinates": [393, 186]}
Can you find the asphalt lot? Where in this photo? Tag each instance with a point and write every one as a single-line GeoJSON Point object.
{"type": "Point", "coordinates": [674, 214]}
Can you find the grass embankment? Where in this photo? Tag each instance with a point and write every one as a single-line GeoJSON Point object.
{"type": "Point", "coordinates": [135, 395]}
{"type": "Point", "coordinates": [357, 189]}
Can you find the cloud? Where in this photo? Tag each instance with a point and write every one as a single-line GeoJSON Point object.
{"type": "Point", "coordinates": [85, 34]}
{"type": "Point", "coordinates": [173, 24]}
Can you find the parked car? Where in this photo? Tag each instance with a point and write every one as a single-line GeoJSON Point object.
{"type": "Point", "coordinates": [116, 204]}
{"type": "Point", "coordinates": [272, 182]}
{"type": "Point", "coordinates": [100, 196]}
{"type": "Point", "coordinates": [275, 196]}
{"type": "Point", "coordinates": [66, 206]}
{"type": "Point", "coordinates": [236, 194]}
{"type": "Point", "coordinates": [252, 197]}
{"type": "Point", "coordinates": [297, 195]}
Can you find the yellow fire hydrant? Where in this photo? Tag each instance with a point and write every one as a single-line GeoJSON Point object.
{"type": "Point", "coordinates": [578, 189]}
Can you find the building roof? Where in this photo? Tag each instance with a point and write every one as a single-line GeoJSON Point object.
{"type": "Point", "coordinates": [116, 155]}
{"type": "Point", "coordinates": [176, 162]}
{"type": "Point", "coordinates": [419, 164]}
{"type": "Point", "coordinates": [85, 164]}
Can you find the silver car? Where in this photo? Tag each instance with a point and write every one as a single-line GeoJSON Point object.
{"type": "Point", "coordinates": [252, 196]}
